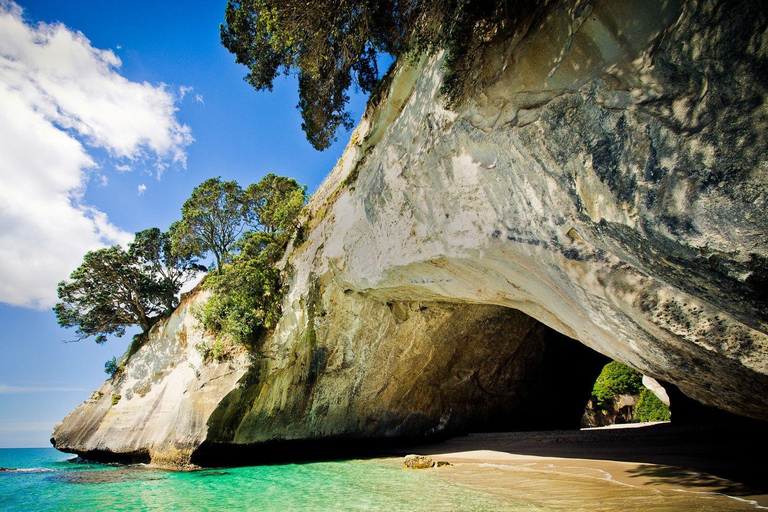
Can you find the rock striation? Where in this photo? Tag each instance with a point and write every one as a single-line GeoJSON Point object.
{"type": "Point", "coordinates": [155, 409]}
{"type": "Point", "coordinates": [605, 182]}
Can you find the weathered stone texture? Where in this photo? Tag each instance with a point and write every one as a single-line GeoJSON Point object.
{"type": "Point", "coordinates": [607, 178]}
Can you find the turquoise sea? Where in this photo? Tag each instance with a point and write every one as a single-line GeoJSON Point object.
{"type": "Point", "coordinates": [44, 479]}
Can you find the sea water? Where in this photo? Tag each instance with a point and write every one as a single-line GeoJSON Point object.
{"type": "Point", "coordinates": [44, 479]}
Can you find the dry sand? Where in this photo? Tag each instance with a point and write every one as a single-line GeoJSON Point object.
{"type": "Point", "coordinates": [657, 467]}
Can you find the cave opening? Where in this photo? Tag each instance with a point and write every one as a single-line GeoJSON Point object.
{"type": "Point", "coordinates": [623, 395]}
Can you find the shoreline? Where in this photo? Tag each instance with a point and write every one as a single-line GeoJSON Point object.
{"type": "Point", "coordinates": [662, 465]}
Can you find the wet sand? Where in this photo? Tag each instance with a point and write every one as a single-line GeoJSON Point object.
{"type": "Point", "coordinates": [656, 467]}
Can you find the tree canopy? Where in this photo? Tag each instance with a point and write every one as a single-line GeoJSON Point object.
{"type": "Point", "coordinates": [115, 288]}
{"type": "Point", "coordinates": [275, 203]}
{"type": "Point", "coordinates": [212, 219]}
{"type": "Point", "coordinates": [248, 291]}
{"type": "Point", "coordinates": [334, 44]}
{"type": "Point", "coordinates": [152, 250]}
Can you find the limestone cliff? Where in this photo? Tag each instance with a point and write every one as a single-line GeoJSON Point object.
{"type": "Point", "coordinates": [157, 407]}
{"type": "Point", "coordinates": [606, 178]}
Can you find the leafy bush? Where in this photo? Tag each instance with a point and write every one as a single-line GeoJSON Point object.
{"type": "Point", "coordinates": [111, 368]}
{"type": "Point", "coordinates": [217, 351]}
{"type": "Point", "coordinates": [247, 292]}
{"type": "Point", "coordinates": [116, 398]}
{"type": "Point", "coordinates": [650, 408]}
{"type": "Point", "coordinates": [616, 379]}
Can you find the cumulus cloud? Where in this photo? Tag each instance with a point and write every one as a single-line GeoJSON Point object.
{"type": "Point", "coordinates": [60, 97]}
{"type": "Point", "coordinates": [142, 189]}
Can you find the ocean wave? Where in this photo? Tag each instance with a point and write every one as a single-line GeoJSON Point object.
{"type": "Point", "coordinates": [27, 470]}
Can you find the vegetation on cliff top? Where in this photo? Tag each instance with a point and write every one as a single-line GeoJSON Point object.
{"type": "Point", "coordinates": [334, 44]}
{"type": "Point", "coordinates": [114, 288]}
{"type": "Point", "coordinates": [248, 290]}
{"type": "Point", "coordinates": [247, 232]}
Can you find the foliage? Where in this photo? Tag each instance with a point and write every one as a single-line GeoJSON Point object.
{"type": "Point", "coordinates": [216, 351]}
{"type": "Point", "coordinates": [113, 288]}
{"type": "Point", "coordinates": [111, 367]}
{"type": "Point", "coordinates": [248, 291]}
{"type": "Point", "coordinates": [247, 294]}
{"type": "Point", "coordinates": [116, 398]}
{"type": "Point", "coordinates": [108, 292]}
{"type": "Point", "coordinates": [212, 219]}
{"type": "Point", "coordinates": [275, 203]}
{"type": "Point", "coordinates": [153, 252]}
{"type": "Point", "coordinates": [334, 44]}
{"type": "Point", "coordinates": [616, 379]}
{"type": "Point", "coordinates": [650, 408]}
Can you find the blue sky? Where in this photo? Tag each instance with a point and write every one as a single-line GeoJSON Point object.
{"type": "Point", "coordinates": [129, 106]}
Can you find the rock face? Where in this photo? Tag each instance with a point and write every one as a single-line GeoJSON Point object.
{"type": "Point", "coordinates": [607, 180]}
{"type": "Point", "coordinates": [157, 408]}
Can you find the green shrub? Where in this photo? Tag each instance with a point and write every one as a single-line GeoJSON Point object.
{"type": "Point", "coordinates": [650, 408]}
{"type": "Point", "coordinates": [136, 342]}
{"type": "Point", "coordinates": [616, 379]}
{"type": "Point", "coordinates": [116, 398]}
{"type": "Point", "coordinates": [217, 351]}
{"type": "Point", "coordinates": [247, 293]}
{"type": "Point", "coordinates": [112, 369]}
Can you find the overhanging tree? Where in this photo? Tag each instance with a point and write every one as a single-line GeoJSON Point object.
{"type": "Point", "coordinates": [106, 294]}
{"type": "Point", "coordinates": [113, 288]}
{"type": "Point", "coordinates": [334, 44]}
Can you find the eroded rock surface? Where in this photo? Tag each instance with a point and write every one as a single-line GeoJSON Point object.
{"type": "Point", "coordinates": [606, 180]}
{"type": "Point", "coordinates": [166, 395]}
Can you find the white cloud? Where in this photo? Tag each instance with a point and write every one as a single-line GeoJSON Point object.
{"type": "Point", "coordinates": [123, 168]}
{"type": "Point", "coordinates": [199, 98]}
{"type": "Point", "coordinates": [142, 189]}
{"type": "Point", "coordinates": [59, 96]}
{"type": "Point", "coordinates": [183, 90]}
{"type": "Point", "coordinates": [103, 180]}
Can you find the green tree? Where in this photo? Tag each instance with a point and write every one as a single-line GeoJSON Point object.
{"type": "Point", "coordinates": [108, 293]}
{"type": "Point", "coordinates": [334, 44]}
{"type": "Point", "coordinates": [113, 288]}
{"type": "Point", "coordinates": [616, 379]}
{"type": "Point", "coordinates": [275, 203]}
{"type": "Point", "coordinates": [247, 293]}
{"type": "Point", "coordinates": [152, 250]}
{"type": "Point", "coordinates": [212, 219]}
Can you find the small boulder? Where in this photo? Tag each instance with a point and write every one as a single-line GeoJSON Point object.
{"type": "Point", "coordinates": [422, 462]}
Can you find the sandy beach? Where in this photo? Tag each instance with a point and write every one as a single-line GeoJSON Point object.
{"type": "Point", "coordinates": [653, 467]}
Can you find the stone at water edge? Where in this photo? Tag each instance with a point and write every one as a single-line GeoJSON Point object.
{"type": "Point", "coordinates": [422, 462]}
